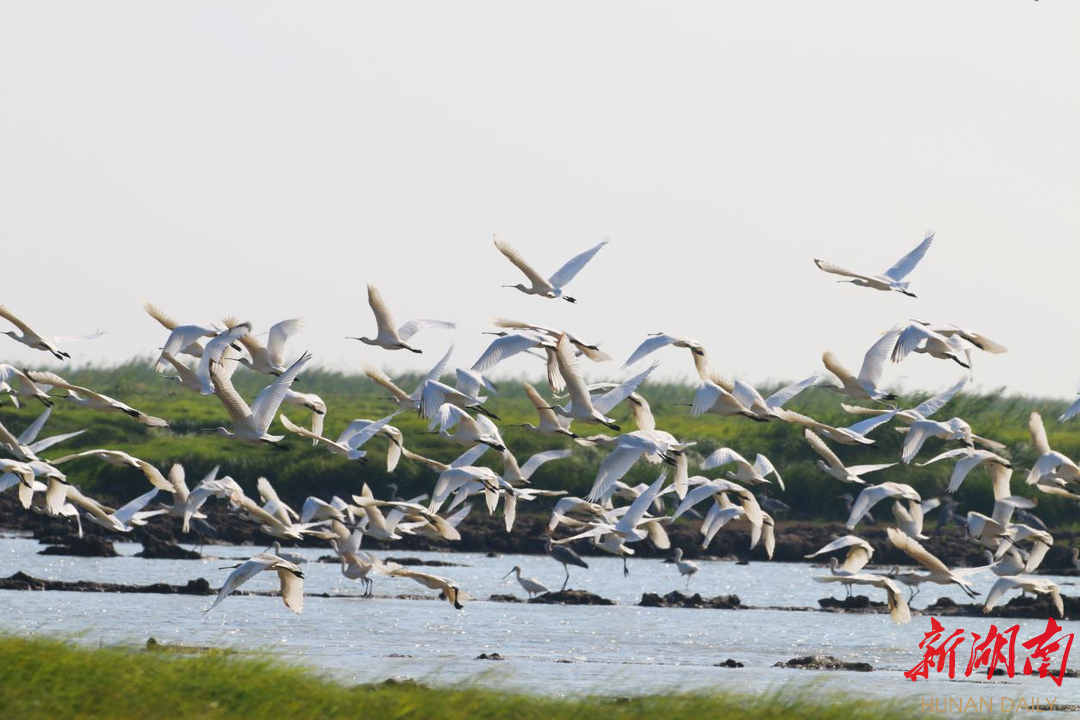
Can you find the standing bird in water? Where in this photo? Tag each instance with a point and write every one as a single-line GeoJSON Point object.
{"type": "Point", "coordinates": [566, 556]}
{"type": "Point", "coordinates": [686, 568]}
{"type": "Point", "coordinates": [530, 585]}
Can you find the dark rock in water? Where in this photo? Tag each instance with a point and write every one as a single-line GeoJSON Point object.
{"type": "Point", "coordinates": [505, 598]}
{"type": "Point", "coordinates": [677, 599]}
{"type": "Point", "coordinates": [86, 546]}
{"type": "Point", "coordinates": [570, 597]}
{"type": "Point", "coordinates": [492, 554]}
{"type": "Point", "coordinates": [22, 581]}
{"type": "Point", "coordinates": [412, 561]}
{"type": "Point", "coordinates": [824, 662]}
{"type": "Point", "coordinates": [154, 549]}
{"type": "Point", "coordinates": [729, 663]}
{"type": "Point", "coordinates": [492, 656]}
{"type": "Point", "coordinates": [1038, 607]}
{"type": "Point", "coordinates": [855, 604]}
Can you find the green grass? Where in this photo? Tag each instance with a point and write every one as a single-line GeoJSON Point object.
{"type": "Point", "coordinates": [306, 470]}
{"type": "Point", "coordinates": [49, 678]}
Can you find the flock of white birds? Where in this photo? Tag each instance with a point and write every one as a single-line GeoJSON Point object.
{"type": "Point", "coordinates": [613, 516]}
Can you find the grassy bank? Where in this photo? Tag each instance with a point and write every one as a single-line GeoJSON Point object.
{"type": "Point", "coordinates": [306, 470]}
{"type": "Point", "coordinates": [47, 678]}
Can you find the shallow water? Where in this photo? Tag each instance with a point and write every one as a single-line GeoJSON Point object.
{"type": "Point", "coordinates": [620, 650]}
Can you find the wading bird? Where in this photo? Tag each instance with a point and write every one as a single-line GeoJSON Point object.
{"type": "Point", "coordinates": [891, 279]}
{"type": "Point", "coordinates": [551, 287]}
{"type": "Point", "coordinates": [387, 336]}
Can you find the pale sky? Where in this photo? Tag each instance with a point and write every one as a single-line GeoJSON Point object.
{"type": "Point", "coordinates": [267, 159]}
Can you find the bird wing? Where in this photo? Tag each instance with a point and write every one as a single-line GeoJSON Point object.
{"type": "Point", "coordinates": [214, 352]}
{"type": "Point", "coordinates": [931, 406]}
{"type": "Point", "coordinates": [863, 427]}
{"type": "Point", "coordinates": [961, 470]}
{"type": "Point", "coordinates": [158, 314]}
{"type": "Point", "coordinates": [633, 517]}
{"type": "Point", "coordinates": [186, 374]}
{"type": "Point", "coordinates": [574, 265]}
{"type": "Point", "coordinates": [292, 586]}
{"type": "Point", "coordinates": [607, 402]}
{"type": "Point", "coordinates": [301, 431]}
{"type": "Point", "coordinates": [568, 368]}
{"type": "Point", "coordinates": [906, 264]}
{"type": "Point", "coordinates": [913, 549]}
{"type": "Point", "coordinates": [125, 513]}
{"type": "Point", "coordinates": [433, 374]}
{"type": "Point", "coordinates": [239, 576]}
{"type": "Point", "coordinates": [269, 400]}
{"type": "Point", "coordinates": [916, 436]}
{"type": "Point", "coordinates": [1046, 465]}
{"type": "Point", "coordinates": [859, 470]}
{"type": "Point", "coordinates": [782, 396]}
{"type": "Point", "coordinates": [279, 335]}
{"type": "Point", "coordinates": [383, 320]}
{"type": "Point", "coordinates": [763, 466]}
{"type": "Point", "coordinates": [617, 463]}
{"type": "Point", "coordinates": [650, 345]}
{"type": "Point", "coordinates": [843, 542]}
{"type": "Point", "coordinates": [1072, 411]}
{"type": "Point", "coordinates": [515, 257]}
{"type": "Point", "coordinates": [382, 379]}
{"type": "Point", "coordinates": [6, 314]}
{"type": "Point", "coordinates": [1002, 586]}
{"type": "Point", "coordinates": [723, 456]}
{"type": "Point", "coordinates": [833, 365]}
{"type": "Point", "coordinates": [867, 499]}
{"type": "Point", "coordinates": [1038, 434]}
{"type": "Point", "coordinates": [874, 361]}
{"type": "Point", "coordinates": [837, 270]}
{"type": "Point", "coordinates": [856, 559]}
{"type": "Point", "coordinates": [154, 475]}
{"type": "Point", "coordinates": [818, 445]}
{"type": "Point", "coordinates": [543, 407]}
{"type": "Point", "coordinates": [42, 445]}
{"type": "Point", "coordinates": [909, 339]}
{"type": "Point", "coordinates": [30, 434]}
{"type": "Point", "coordinates": [234, 404]}
{"type": "Point", "coordinates": [362, 434]}
{"type": "Point", "coordinates": [503, 347]}
{"type": "Point", "coordinates": [412, 327]}
{"type": "Point", "coordinates": [539, 459]}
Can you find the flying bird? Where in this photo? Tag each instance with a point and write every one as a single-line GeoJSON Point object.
{"type": "Point", "coordinates": [547, 287]}
{"type": "Point", "coordinates": [390, 337]}
{"type": "Point", "coordinates": [891, 279]}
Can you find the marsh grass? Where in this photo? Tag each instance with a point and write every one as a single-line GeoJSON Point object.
{"type": "Point", "coordinates": [50, 678]}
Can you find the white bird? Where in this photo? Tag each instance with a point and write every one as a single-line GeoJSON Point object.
{"type": "Point", "coordinates": [686, 568]}
{"type": "Point", "coordinates": [450, 589]}
{"type": "Point", "coordinates": [865, 385]}
{"type": "Point", "coordinates": [1041, 541]}
{"type": "Point", "coordinates": [723, 512]}
{"type": "Point", "coordinates": [655, 341]}
{"type": "Point", "coordinates": [1049, 463]}
{"type": "Point", "coordinates": [84, 397]}
{"type": "Point", "coordinates": [1037, 586]}
{"type": "Point", "coordinates": [582, 406]}
{"type": "Point", "coordinates": [551, 287]}
{"type": "Point", "coordinates": [891, 279]}
{"type": "Point", "coordinates": [922, 338]}
{"type": "Point", "coordinates": [627, 449]}
{"type": "Point", "coordinates": [131, 515]}
{"type": "Point", "coordinates": [531, 585]}
{"type": "Point", "coordinates": [952, 333]}
{"type": "Point", "coordinates": [909, 518]}
{"type": "Point", "coordinates": [185, 376]}
{"type": "Point", "coordinates": [953, 429]}
{"type": "Point", "coordinates": [351, 439]}
{"type": "Point", "coordinates": [312, 402]}
{"type": "Point", "coordinates": [17, 384]}
{"type": "Point", "coordinates": [756, 472]}
{"type": "Point", "coordinates": [856, 434]}
{"type": "Point", "coordinates": [968, 460]}
{"type": "Point", "coordinates": [220, 352]}
{"type": "Point", "coordinates": [519, 474]}
{"type": "Point", "coordinates": [873, 494]}
{"type": "Point", "coordinates": [26, 446]}
{"type": "Point", "coordinates": [122, 459]}
{"type": "Point", "coordinates": [389, 337]}
{"type": "Point", "coordinates": [187, 503]}
{"type": "Point", "coordinates": [470, 431]}
{"type": "Point", "coordinates": [550, 423]}
{"type": "Point", "coordinates": [832, 465]}
{"type": "Point", "coordinates": [940, 574]}
{"type": "Point", "coordinates": [270, 358]}
{"type": "Point", "coordinates": [922, 411]}
{"type": "Point", "coordinates": [183, 339]}
{"type": "Point", "coordinates": [31, 339]}
{"type": "Point", "coordinates": [898, 607]}
{"type": "Point", "coordinates": [589, 350]}
{"type": "Point", "coordinates": [290, 577]}
{"type": "Point", "coordinates": [404, 400]}
{"type": "Point", "coordinates": [858, 554]}
{"type": "Point", "coordinates": [250, 424]}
